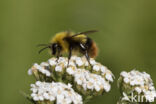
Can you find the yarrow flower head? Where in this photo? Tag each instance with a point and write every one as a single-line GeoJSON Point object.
{"type": "Point", "coordinates": [139, 84]}
{"type": "Point", "coordinates": [54, 92]}
{"type": "Point", "coordinates": [87, 80]}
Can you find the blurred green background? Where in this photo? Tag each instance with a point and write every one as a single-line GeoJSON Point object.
{"type": "Point", "coordinates": [126, 38]}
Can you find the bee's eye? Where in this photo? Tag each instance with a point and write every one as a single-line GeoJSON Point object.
{"type": "Point", "coordinates": [54, 48]}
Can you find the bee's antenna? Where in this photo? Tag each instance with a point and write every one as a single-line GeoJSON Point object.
{"type": "Point", "coordinates": [42, 45]}
{"type": "Point", "coordinates": [43, 49]}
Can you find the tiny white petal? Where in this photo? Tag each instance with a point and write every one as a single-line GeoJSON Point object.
{"type": "Point", "coordinates": [109, 77]}
{"type": "Point", "coordinates": [107, 87]}
{"type": "Point", "coordinates": [44, 64]}
{"type": "Point", "coordinates": [41, 98]}
{"type": "Point", "coordinates": [79, 62]}
{"type": "Point", "coordinates": [124, 74]}
{"type": "Point", "coordinates": [58, 68]}
{"type": "Point", "coordinates": [33, 95]}
{"type": "Point", "coordinates": [92, 62]}
{"type": "Point", "coordinates": [35, 98]}
{"type": "Point", "coordinates": [38, 83]}
{"type": "Point", "coordinates": [97, 88]}
{"type": "Point", "coordinates": [51, 98]}
{"type": "Point", "coordinates": [46, 96]}
{"type": "Point", "coordinates": [30, 72]}
{"type": "Point", "coordinates": [70, 70]}
{"type": "Point", "coordinates": [48, 73]}
{"type": "Point", "coordinates": [126, 80]}
{"type": "Point", "coordinates": [137, 89]}
{"type": "Point", "coordinates": [52, 62]}
{"type": "Point", "coordinates": [96, 67]}
{"type": "Point", "coordinates": [103, 69]}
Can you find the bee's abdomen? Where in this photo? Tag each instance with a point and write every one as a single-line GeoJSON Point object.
{"type": "Point", "coordinates": [92, 48]}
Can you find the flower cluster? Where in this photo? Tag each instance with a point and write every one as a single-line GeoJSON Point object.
{"type": "Point", "coordinates": [138, 83]}
{"type": "Point", "coordinates": [54, 92]}
{"type": "Point", "coordinates": [41, 68]}
{"type": "Point", "coordinates": [87, 80]}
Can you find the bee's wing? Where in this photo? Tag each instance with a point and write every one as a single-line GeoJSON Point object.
{"type": "Point", "coordinates": [85, 33]}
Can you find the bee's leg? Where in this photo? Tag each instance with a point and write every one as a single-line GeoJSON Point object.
{"type": "Point", "coordinates": [70, 54]}
{"type": "Point", "coordinates": [58, 54]}
{"type": "Point", "coordinates": [57, 58]}
{"type": "Point", "coordinates": [87, 57]}
{"type": "Point", "coordinates": [85, 53]}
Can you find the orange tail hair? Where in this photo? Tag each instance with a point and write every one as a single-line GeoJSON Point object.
{"type": "Point", "coordinates": [93, 51]}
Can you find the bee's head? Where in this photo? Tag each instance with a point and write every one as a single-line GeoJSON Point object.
{"type": "Point", "coordinates": [54, 47]}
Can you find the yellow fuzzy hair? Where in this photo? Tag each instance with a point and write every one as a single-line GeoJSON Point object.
{"type": "Point", "coordinates": [58, 38]}
{"type": "Point", "coordinates": [81, 38]}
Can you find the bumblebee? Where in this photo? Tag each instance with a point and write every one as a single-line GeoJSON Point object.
{"type": "Point", "coordinates": [72, 43]}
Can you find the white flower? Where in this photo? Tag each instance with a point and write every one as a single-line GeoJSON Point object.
{"type": "Point", "coordinates": [107, 87]}
{"type": "Point", "coordinates": [70, 70]}
{"type": "Point", "coordinates": [33, 94]}
{"type": "Point", "coordinates": [127, 80]}
{"type": "Point", "coordinates": [46, 96]}
{"type": "Point", "coordinates": [90, 81]}
{"type": "Point", "coordinates": [90, 85]}
{"type": "Point", "coordinates": [84, 86]}
{"type": "Point", "coordinates": [58, 68]}
{"type": "Point", "coordinates": [140, 82]}
{"type": "Point", "coordinates": [73, 57]}
{"type": "Point", "coordinates": [44, 64]}
{"type": "Point", "coordinates": [71, 63]}
{"type": "Point", "coordinates": [38, 83]}
{"type": "Point", "coordinates": [86, 63]}
{"type": "Point", "coordinates": [96, 67]}
{"type": "Point", "coordinates": [97, 88]}
{"type": "Point", "coordinates": [103, 69]}
{"type": "Point", "coordinates": [61, 59]}
{"type": "Point", "coordinates": [52, 61]}
{"type": "Point", "coordinates": [35, 98]}
{"type": "Point", "coordinates": [47, 73]}
{"type": "Point", "coordinates": [124, 74]}
{"type": "Point", "coordinates": [83, 79]}
{"type": "Point", "coordinates": [51, 98]}
{"type": "Point", "coordinates": [152, 88]}
{"type": "Point", "coordinates": [69, 85]}
{"type": "Point", "coordinates": [79, 62]}
{"type": "Point", "coordinates": [58, 92]}
{"type": "Point", "coordinates": [37, 66]}
{"type": "Point", "coordinates": [79, 82]}
{"type": "Point", "coordinates": [30, 72]}
{"type": "Point", "coordinates": [41, 68]}
{"type": "Point", "coordinates": [109, 77]}
{"type": "Point", "coordinates": [138, 90]}
{"type": "Point", "coordinates": [41, 98]}
{"type": "Point", "coordinates": [92, 61]}
{"type": "Point", "coordinates": [34, 90]}
{"type": "Point", "coordinates": [150, 96]}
